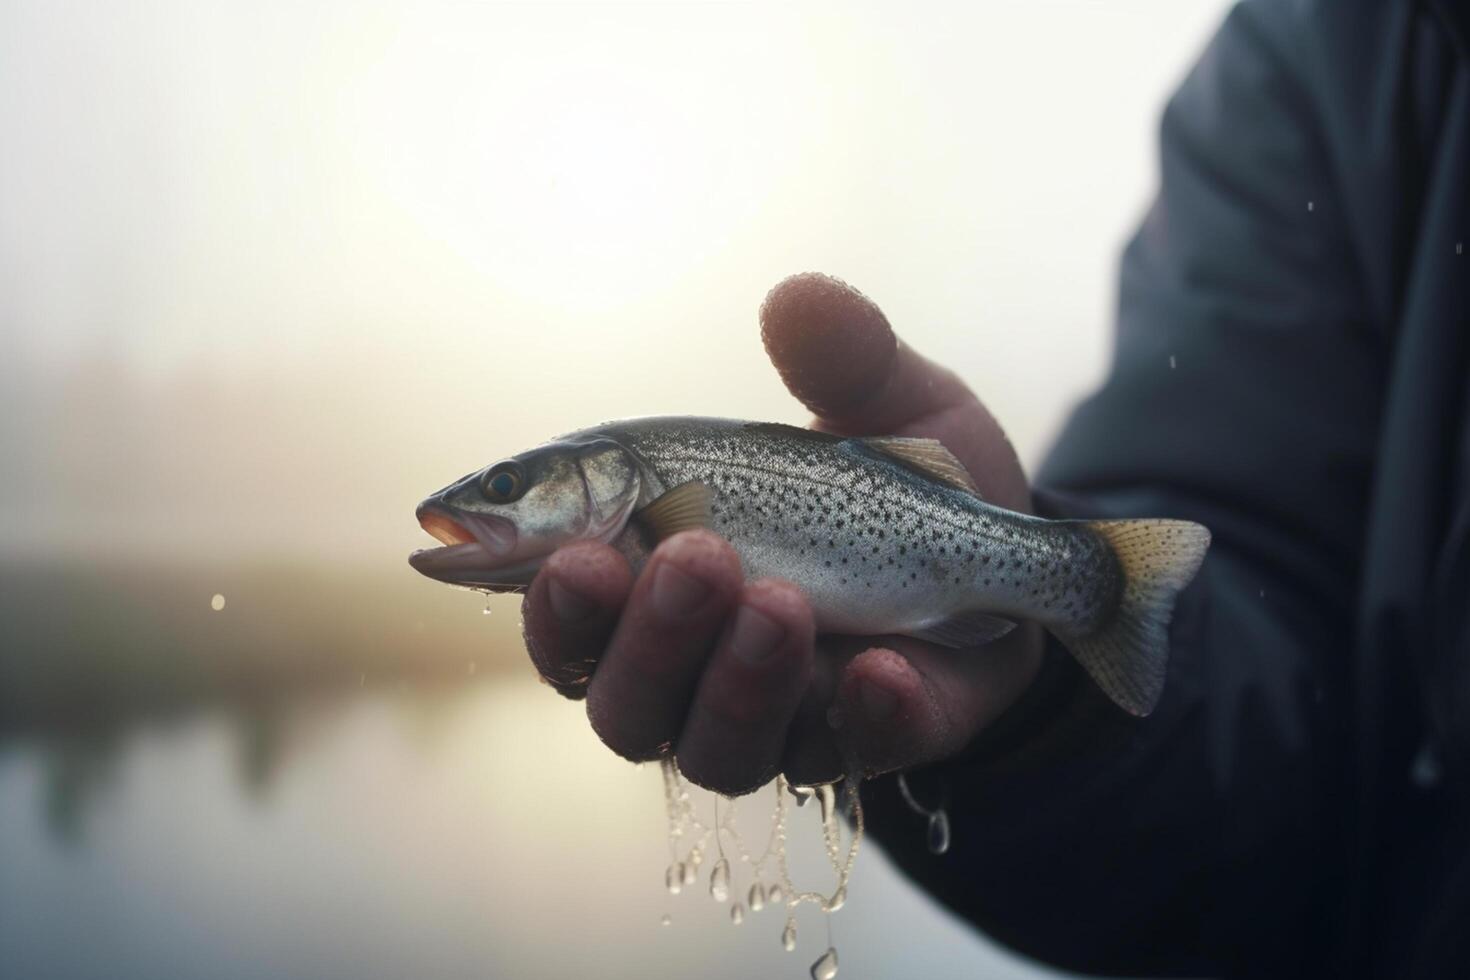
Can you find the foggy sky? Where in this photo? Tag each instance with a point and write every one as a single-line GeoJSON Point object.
{"type": "Point", "coordinates": [267, 276]}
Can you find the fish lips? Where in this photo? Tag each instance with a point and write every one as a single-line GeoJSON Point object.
{"type": "Point", "coordinates": [478, 551]}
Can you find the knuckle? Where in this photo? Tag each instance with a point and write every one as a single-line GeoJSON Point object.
{"type": "Point", "coordinates": [702, 552]}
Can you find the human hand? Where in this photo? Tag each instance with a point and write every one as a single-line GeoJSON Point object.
{"type": "Point", "coordinates": [689, 658]}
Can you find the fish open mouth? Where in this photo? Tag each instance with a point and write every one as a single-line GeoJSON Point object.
{"type": "Point", "coordinates": [475, 551]}
{"type": "Point", "coordinates": [445, 529]}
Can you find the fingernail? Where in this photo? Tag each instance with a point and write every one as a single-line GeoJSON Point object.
{"type": "Point", "coordinates": [878, 701]}
{"type": "Point", "coordinates": [755, 636]}
{"type": "Point", "coordinates": [676, 593]}
{"type": "Point", "coordinates": [566, 605]}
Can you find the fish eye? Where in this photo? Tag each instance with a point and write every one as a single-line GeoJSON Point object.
{"type": "Point", "coordinates": [504, 483]}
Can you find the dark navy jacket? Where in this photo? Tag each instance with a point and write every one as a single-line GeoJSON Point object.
{"type": "Point", "coordinates": [1291, 371]}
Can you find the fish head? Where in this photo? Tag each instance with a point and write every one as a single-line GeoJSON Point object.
{"type": "Point", "coordinates": [498, 524]}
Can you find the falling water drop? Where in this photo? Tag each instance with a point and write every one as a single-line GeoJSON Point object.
{"type": "Point", "coordinates": [757, 897]}
{"type": "Point", "coordinates": [690, 874]}
{"type": "Point", "coordinates": [788, 936]}
{"type": "Point", "coordinates": [938, 832]}
{"type": "Point", "coordinates": [487, 605]}
{"type": "Point", "coordinates": [696, 857]}
{"type": "Point", "coordinates": [775, 895]}
{"type": "Point", "coordinates": [217, 602]}
{"type": "Point", "coordinates": [826, 967]}
{"type": "Point", "coordinates": [828, 798]}
{"type": "Point", "coordinates": [674, 878]}
{"type": "Point", "coordinates": [719, 881]}
{"type": "Point", "coordinates": [666, 920]}
{"type": "Point", "coordinates": [737, 914]}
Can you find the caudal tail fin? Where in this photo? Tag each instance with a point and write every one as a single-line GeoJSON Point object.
{"type": "Point", "coordinates": [1127, 655]}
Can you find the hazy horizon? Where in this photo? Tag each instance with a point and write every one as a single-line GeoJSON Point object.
{"type": "Point", "coordinates": [269, 275]}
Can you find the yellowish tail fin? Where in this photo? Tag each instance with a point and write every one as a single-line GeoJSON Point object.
{"type": "Point", "coordinates": [1127, 656]}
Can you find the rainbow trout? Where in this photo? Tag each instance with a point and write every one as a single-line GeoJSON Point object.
{"type": "Point", "coordinates": [885, 535]}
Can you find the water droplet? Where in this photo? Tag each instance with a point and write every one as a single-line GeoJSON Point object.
{"type": "Point", "coordinates": [938, 832]}
{"type": "Point", "coordinates": [775, 895]}
{"type": "Point", "coordinates": [1172, 362]}
{"type": "Point", "coordinates": [690, 874]}
{"type": "Point", "coordinates": [828, 799]}
{"type": "Point", "coordinates": [487, 606]}
{"type": "Point", "coordinates": [737, 914]}
{"type": "Point", "coordinates": [757, 897]}
{"type": "Point", "coordinates": [719, 881]}
{"type": "Point", "coordinates": [826, 967]}
{"type": "Point", "coordinates": [788, 936]}
{"type": "Point", "coordinates": [1459, 248]}
{"type": "Point", "coordinates": [674, 878]}
{"type": "Point", "coordinates": [1426, 770]}
{"type": "Point", "coordinates": [217, 602]}
{"type": "Point", "coordinates": [666, 920]}
{"type": "Point", "coordinates": [1311, 205]}
{"type": "Point", "coordinates": [838, 899]}
{"type": "Point", "coordinates": [696, 857]}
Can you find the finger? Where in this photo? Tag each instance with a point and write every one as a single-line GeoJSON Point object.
{"type": "Point", "coordinates": [570, 611]}
{"type": "Point", "coordinates": [812, 753]}
{"type": "Point", "coordinates": [914, 703]}
{"type": "Point", "coordinates": [836, 352]}
{"type": "Point", "coordinates": [641, 691]}
{"type": "Point", "coordinates": [733, 736]}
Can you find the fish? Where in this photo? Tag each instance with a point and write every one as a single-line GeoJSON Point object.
{"type": "Point", "coordinates": [885, 535]}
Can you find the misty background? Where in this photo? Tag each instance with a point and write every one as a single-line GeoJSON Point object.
{"type": "Point", "coordinates": [270, 273]}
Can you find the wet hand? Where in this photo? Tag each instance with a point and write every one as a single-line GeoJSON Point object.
{"type": "Point", "coordinates": [729, 675]}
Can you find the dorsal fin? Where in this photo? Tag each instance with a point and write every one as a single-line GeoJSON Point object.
{"type": "Point", "coordinates": [680, 509]}
{"type": "Point", "coordinates": [925, 456]}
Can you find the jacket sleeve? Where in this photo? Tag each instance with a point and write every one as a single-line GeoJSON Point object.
{"type": "Point", "coordinates": [1243, 394]}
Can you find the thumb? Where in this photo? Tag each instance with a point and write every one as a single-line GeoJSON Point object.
{"type": "Point", "coordinates": [837, 353]}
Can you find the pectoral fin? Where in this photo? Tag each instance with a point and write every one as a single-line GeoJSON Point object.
{"type": "Point", "coordinates": [966, 629]}
{"type": "Point", "coordinates": [680, 509]}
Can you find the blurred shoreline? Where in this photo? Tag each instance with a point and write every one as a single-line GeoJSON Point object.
{"type": "Point", "coordinates": [94, 645]}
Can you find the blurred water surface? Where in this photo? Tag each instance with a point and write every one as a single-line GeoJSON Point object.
{"type": "Point", "coordinates": [476, 830]}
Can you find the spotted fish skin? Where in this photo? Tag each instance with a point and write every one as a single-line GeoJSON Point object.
{"type": "Point", "coordinates": [884, 536]}
{"type": "Point", "coordinates": [881, 546]}
{"type": "Point", "coordinates": [877, 547]}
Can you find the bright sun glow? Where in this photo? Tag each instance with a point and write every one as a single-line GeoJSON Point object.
{"type": "Point", "coordinates": [376, 247]}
